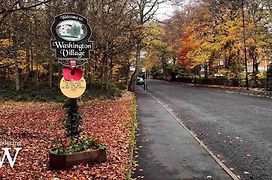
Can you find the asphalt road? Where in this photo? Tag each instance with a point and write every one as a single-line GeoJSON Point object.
{"type": "Point", "coordinates": [237, 128]}
{"type": "Point", "coordinates": [166, 149]}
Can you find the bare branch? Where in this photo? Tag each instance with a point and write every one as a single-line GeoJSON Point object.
{"type": "Point", "coordinates": [5, 12]}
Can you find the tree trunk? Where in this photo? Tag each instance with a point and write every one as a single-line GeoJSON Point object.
{"type": "Point", "coordinates": [127, 72]}
{"type": "Point", "coordinates": [31, 63]}
{"type": "Point", "coordinates": [88, 71]}
{"type": "Point", "coordinates": [17, 78]}
{"type": "Point", "coordinates": [51, 59]}
{"type": "Point", "coordinates": [131, 86]}
{"type": "Point", "coordinates": [37, 77]}
{"type": "Point", "coordinates": [50, 72]}
{"type": "Point", "coordinates": [26, 78]}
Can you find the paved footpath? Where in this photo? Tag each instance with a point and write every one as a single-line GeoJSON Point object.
{"type": "Point", "coordinates": [166, 150]}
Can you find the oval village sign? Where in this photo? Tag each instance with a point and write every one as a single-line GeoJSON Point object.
{"type": "Point", "coordinates": [72, 33]}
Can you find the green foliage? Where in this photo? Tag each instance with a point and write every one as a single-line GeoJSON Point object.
{"type": "Point", "coordinates": [73, 119]}
{"type": "Point", "coordinates": [43, 93]}
{"type": "Point", "coordinates": [83, 144]}
{"type": "Point", "coordinates": [132, 140]}
{"type": "Point", "coordinates": [174, 69]}
{"type": "Point", "coordinates": [171, 70]}
{"type": "Point", "coordinates": [103, 90]}
{"type": "Point", "coordinates": [100, 146]}
{"type": "Point", "coordinates": [31, 94]}
{"type": "Point", "coordinates": [261, 75]}
{"type": "Point", "coordinates": [134, 123]}
{"type": "Point", "coordinates": [156, 71]}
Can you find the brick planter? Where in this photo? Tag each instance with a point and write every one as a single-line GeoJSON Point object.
{"type": "Point", "coordinates": [67, 161]}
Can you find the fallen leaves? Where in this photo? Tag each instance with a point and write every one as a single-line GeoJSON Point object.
{"type": "Point", "coordinates": [247, 173]}
{"type": "Point", "coordinates": [37, 125]}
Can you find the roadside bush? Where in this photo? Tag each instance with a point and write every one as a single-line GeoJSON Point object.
{"type": "Point", "coordinates": [34, 94]}
{"type": "Point", "coordinates": [43, 93]}
{"type": "Point", "coordinates": [103, 90]}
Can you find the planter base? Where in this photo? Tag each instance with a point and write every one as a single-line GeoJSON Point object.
{"type": "Point", "coordinates": [67, 161]}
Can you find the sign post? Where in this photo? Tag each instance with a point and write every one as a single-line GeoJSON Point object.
{"type": "Point", "coordinates": [72, 50]}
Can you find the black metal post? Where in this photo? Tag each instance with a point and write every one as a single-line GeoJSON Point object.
{"type": "Point", "coordinates": [195, 75]}
{"type": "Point", "coordinates": [244, 39]}
{"type": "Point", "coordinates": [145, 83]}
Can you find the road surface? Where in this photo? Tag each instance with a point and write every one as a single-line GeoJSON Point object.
{"type": "Point", "coordinates": [236, 128]}
{"type": "Point", "coordinates": [166, 149]}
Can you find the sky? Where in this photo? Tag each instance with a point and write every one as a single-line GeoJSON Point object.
{"type": "Point", "coordinates": [166, 10]}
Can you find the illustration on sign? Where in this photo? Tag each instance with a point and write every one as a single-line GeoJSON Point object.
{"type": "Point", "coordinates": [72, 33]}
{"type": "Point", "coordinates": [71, 30]}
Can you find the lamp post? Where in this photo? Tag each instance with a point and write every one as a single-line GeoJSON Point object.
{"type": "Point", "coordinates": [145, 76]}
{"type": "Point", "coordinates": [244, 42]}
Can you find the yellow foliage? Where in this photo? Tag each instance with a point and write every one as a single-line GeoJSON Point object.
{"type": "Point", "coordinates": [4, 43]}
{"type": "Point", "coordinates": [40, 69]}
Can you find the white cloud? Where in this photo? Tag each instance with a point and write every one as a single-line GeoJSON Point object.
{"type": "Point", "coordinates": [167, 9]}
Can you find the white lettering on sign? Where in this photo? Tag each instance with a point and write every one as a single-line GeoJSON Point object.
{"type": "Point", "coordinates": [69, 17]}
{"type": "Point", "coordinates": [71, 52]}
{"type": "Point", "coordinates": [63, 45]}
{"type": "Point", "coordinates": [7, 154]}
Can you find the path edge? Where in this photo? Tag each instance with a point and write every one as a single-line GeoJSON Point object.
{"type": "Point", "coordinates": [132, 141]}
{"type": "Point", "coordinates": [222, 165]}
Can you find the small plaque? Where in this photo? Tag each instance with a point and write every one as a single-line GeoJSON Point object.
{"type": "Point", "coordinates": [73, 89]}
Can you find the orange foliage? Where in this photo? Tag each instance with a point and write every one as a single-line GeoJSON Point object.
{"type": "Point", "coordinates": [183, 60]}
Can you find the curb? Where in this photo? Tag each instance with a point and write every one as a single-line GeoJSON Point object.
{"type": "Point", "coordinates": [132, 140]}
{"type": "Point", "coordinates": [223, 166]}
{"type": "Point", "coordinates": [233, 90]}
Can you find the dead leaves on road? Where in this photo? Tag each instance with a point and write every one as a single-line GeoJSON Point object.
{"type": "Point", "coordinates": [37, 125]}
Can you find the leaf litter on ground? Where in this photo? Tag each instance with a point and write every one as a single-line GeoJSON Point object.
{"type": "Point", "coordinates": [36, 125]}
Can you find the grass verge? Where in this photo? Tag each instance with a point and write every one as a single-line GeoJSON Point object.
{"type": "Point", "coordinates": [132, 140]}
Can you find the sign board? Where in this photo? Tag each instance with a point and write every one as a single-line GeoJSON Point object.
{"type": "Point", "coordinates": [71, 33]}
{"type": "Point", "coordinates": [72, 89]}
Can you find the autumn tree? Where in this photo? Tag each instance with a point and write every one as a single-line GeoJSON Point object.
{"type": "Point", "coordinates": [113, 32]}
{"type": "Point", "coordinates": [259, 33]}
{"type": "Point", "coordinates": [144, 12]}
{"type": "Point", "coordinates": [214, 32]}
{"type": "Point", "coordinates": [157, 53]}
{"type": "Point", "coordinates": [20, 25]}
